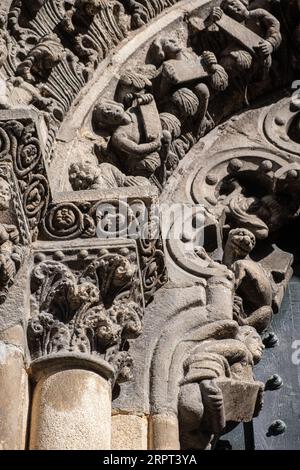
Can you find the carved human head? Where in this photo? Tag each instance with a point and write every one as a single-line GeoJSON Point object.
{"type": "Point", "coordinates": [81, 175]}
{"type": "Point", "coordinates": [237, 9]}
{"type": "Point", "coordinates": [241, 241]}
{"type": "Point", "coordinates": [5, 194]}
{"type": "Point", "coordinates": [249, 336]}
{"type": "Point", "coordinates": [165, 49]}
{"type": "Point", "coordinates": [109, 113]}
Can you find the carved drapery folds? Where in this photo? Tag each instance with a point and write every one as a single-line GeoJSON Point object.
{"type": "Point", "coordinates": [86, 302]}
{"type": "Point", "coordinates": [14, 236]}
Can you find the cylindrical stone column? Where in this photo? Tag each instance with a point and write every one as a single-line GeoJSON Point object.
{"type": "Point", "coordinates": [71, 408]}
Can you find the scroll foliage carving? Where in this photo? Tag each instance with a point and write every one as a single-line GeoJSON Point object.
{"type": "Point", "coordinates": [20, 143]}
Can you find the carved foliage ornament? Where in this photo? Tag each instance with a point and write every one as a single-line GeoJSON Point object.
{"type": "Point", "coordinates": [19, 143]}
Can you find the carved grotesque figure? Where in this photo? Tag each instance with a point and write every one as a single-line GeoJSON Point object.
{"type": "Point", "coordinates": [88, 8]}
{"type": "Point", "coordinates": [202, 400]}
{"type": "Point", "coordinates": [104, 176]}
{"type": "Point", "coordinates": [261, 216]}
{"type": "Point", "coordinates": [252, 283]}
{"type": "Point", "coordinates": [142, 11]}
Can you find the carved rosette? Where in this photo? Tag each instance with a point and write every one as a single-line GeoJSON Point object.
{"type": "Point", "coordinates": [86, 302]}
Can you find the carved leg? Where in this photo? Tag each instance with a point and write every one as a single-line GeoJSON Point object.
{"type": "Point", "coordinates": [203, 95]}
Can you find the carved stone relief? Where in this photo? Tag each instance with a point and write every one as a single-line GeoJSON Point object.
{"type": "Point", "coordinates": [194, 113]}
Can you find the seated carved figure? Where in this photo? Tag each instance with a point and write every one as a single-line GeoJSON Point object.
{"type": "Point", "coordinates": [252, 283]}
{"type": "Point", "coordinates": [252, 37]}
{"type": "Point", "coordinates": [85, 176]}
{"type": "Point", "coordinates": [136, 145]}
{"type": "Point", "coordinates": [10, 252]}
{"type": "Point", "coordinates": [210, 368]}
{"type": "Point", "coordinates": [185, 81]}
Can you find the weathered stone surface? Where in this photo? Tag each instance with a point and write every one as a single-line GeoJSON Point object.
{"type": "Point", "coordinates": [129, 432]}
{"type": "Point", "coordinates": [14, 395]}
{"type": "Point", "coordinates": [163, 432]}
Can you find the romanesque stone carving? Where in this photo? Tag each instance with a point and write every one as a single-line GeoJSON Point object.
{"type": "Point", "coordinates": [86, 176]}
{"type": "Point", "coordinates": [88, 296]}
{"type": "Point", "coordinates": [142, 12]}
{"type": "Point", "coordinates": [114, 219]}
{"type": "Point", "coordinates": [214, 371]}
{"type": "Point", "coordinates": [252, 283]}
{"type": "Point", "coordinates": [138, 156]}
{"type": "Point", "coordinates": [11, 252]}
{"type": "Point", "coordinates": [92, 312]}
{"type": "Point", "coordinates": [20, 144]}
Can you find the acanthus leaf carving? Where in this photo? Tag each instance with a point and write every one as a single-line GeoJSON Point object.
{"type": "Point", "coordinates": [93, 312]}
